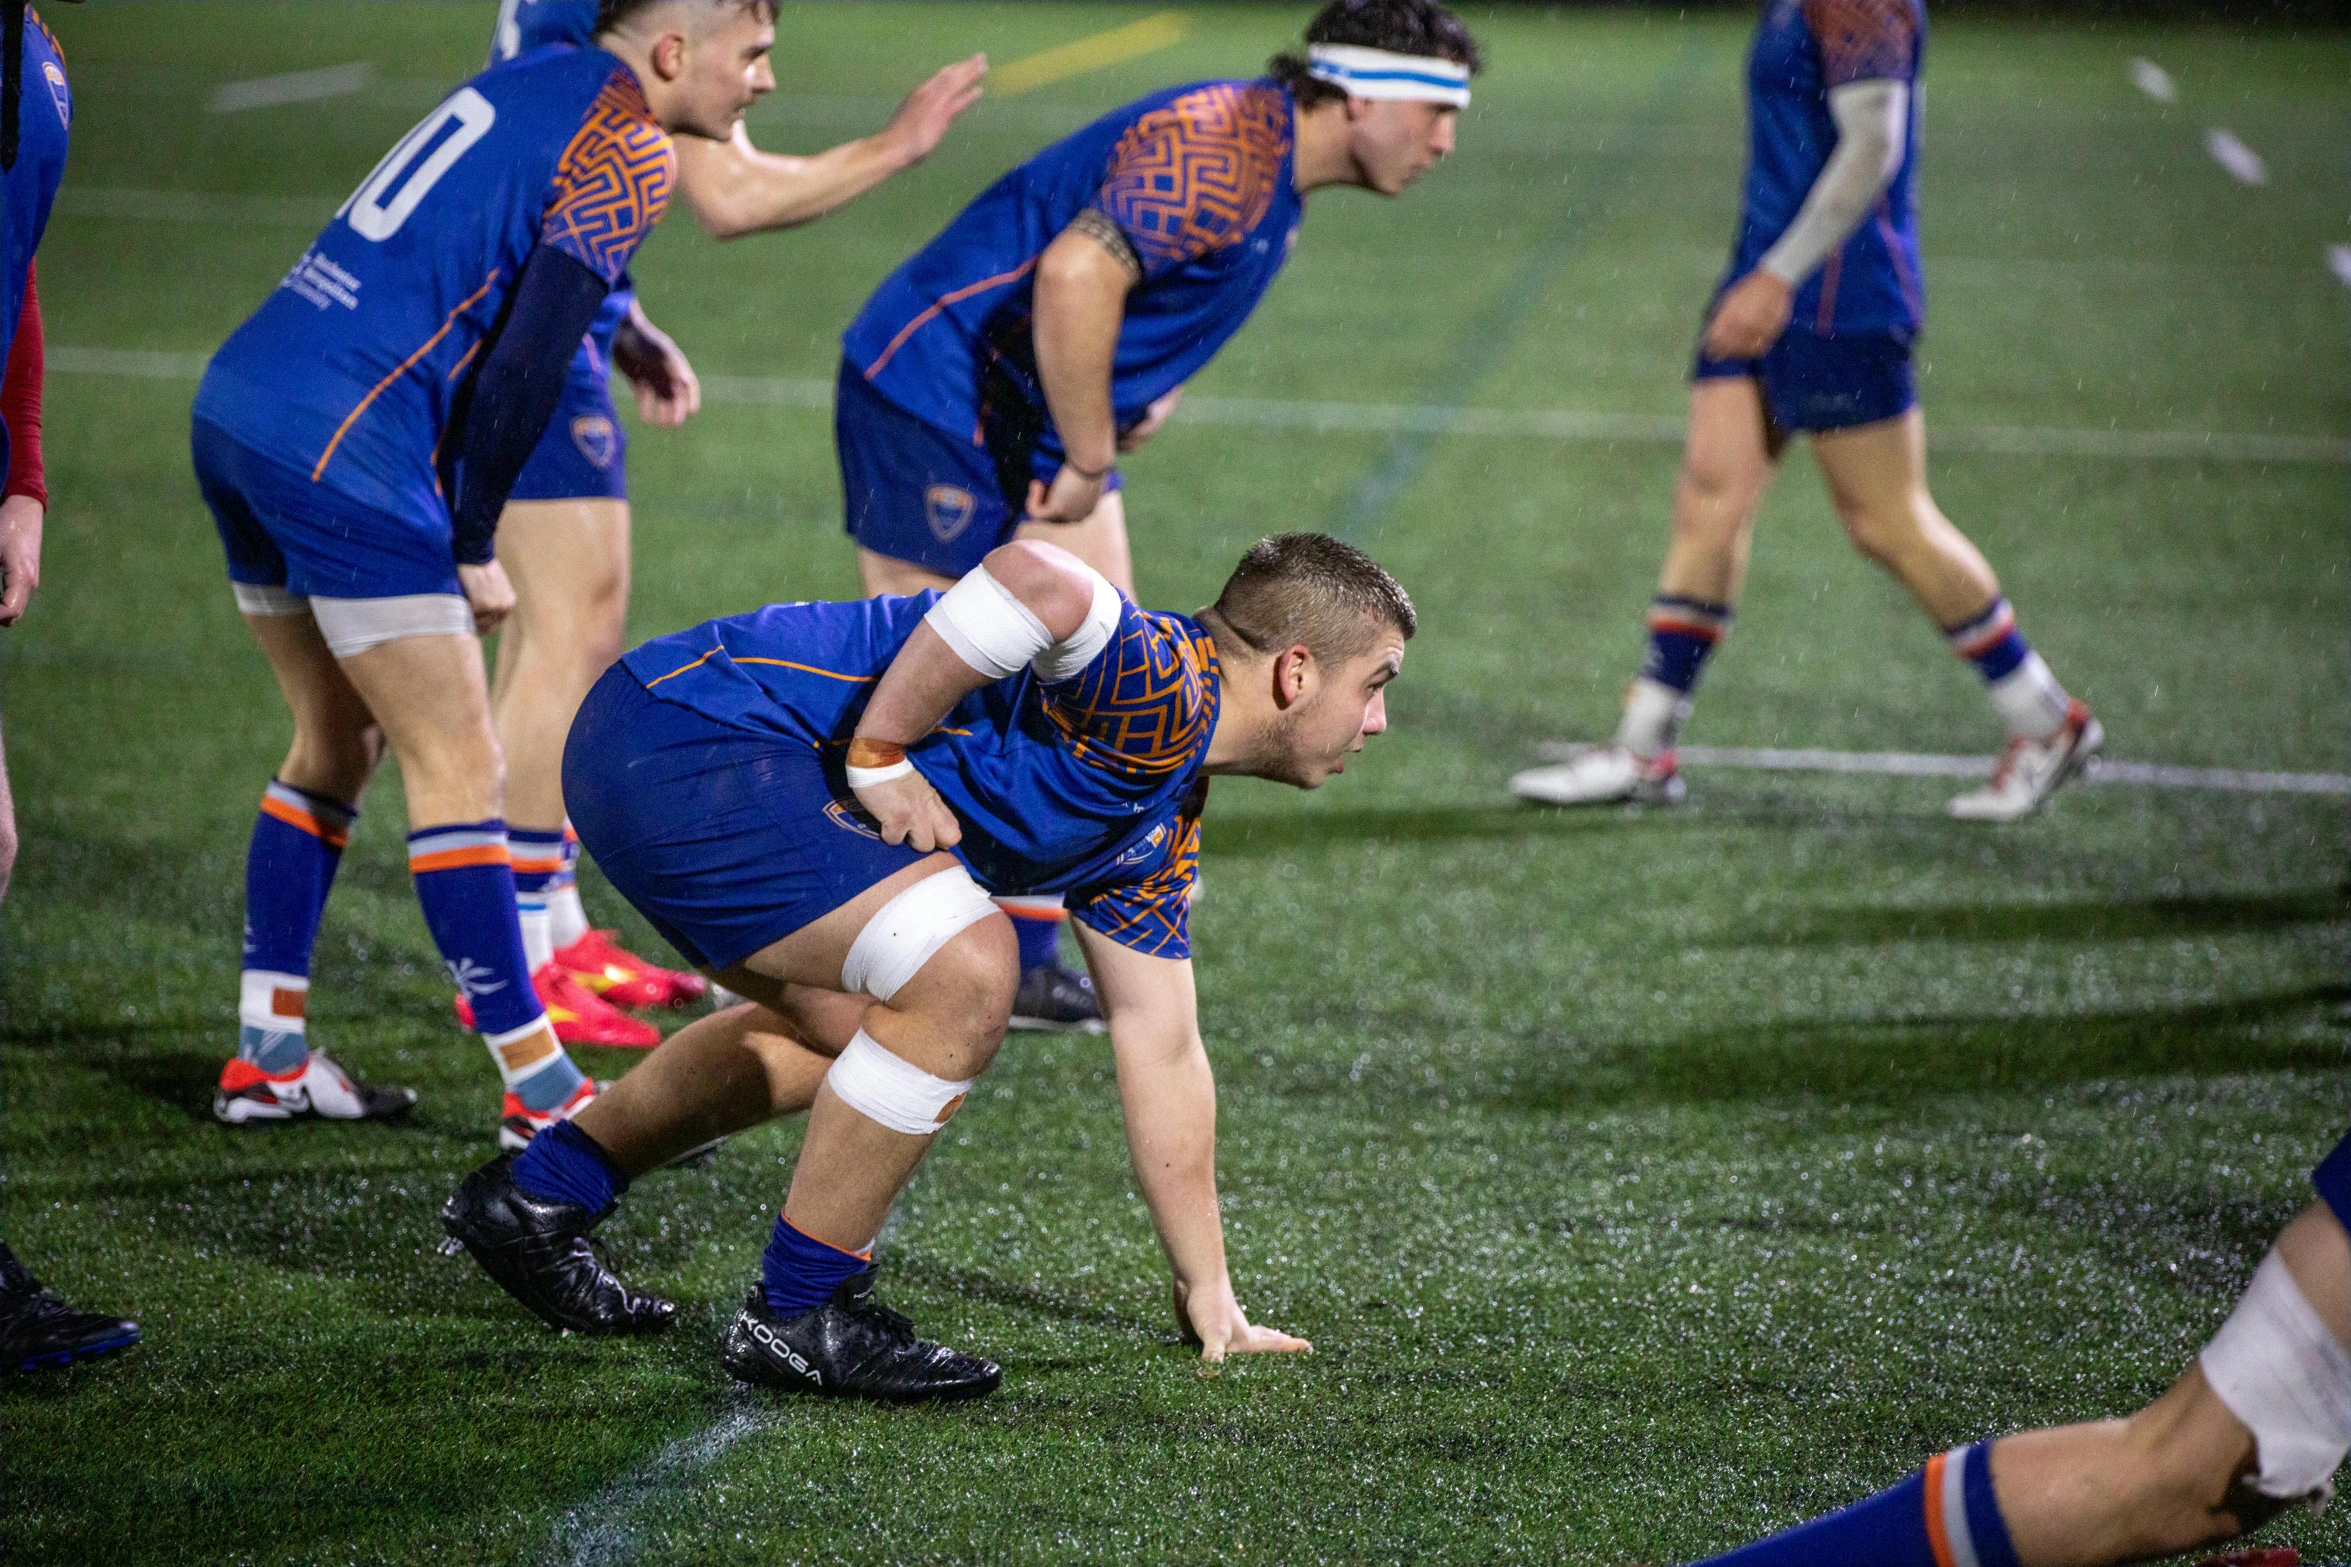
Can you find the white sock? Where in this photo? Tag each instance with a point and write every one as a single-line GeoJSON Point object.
{"type": "Point", "coordinates": [1653, 717]}
{"type": "Point", "coordinates": [567, 916]}
{"type": "Point", "coordinates": [538, 935]}
{"type": "Point", "coordinates": [2029, 700]}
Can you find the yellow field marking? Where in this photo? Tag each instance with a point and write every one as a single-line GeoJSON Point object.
{"type": "Point", "coordinates": [1120, 44]}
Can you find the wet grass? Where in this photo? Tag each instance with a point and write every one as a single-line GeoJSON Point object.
{"type": "Point", "coordinates": [1645, 1179]}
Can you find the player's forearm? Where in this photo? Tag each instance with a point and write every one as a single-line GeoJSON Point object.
{"type": "Point", "coordinates": [1168, 1092]}
{"type": "Point", "coordinates": [735, 189]}
{"type": "Point", "coordinates": [515, 392]}
{"type": "Point", "coordinates": [1080, 305]}
{"type": "Point", "coordinates": [1872, 118]}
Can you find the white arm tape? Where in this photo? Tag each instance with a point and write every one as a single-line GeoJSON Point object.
{"type": "Point", "coordinates": [1873, 119]}
{"type": "Point", "coordinates": [867, 777]}
{"type": "Point", "coordinates": [891, 1090]}
{"type": "Point", "coordinates": [987, 627]}
{"type": "Point", "coordinates": [995, 633]}
{"type": "Point", "coordinates": [907, 930]}
{"type": "Point", "coordinates": [2279, 1370]}
{"type": "Point", "coordinates": [1066, 659]}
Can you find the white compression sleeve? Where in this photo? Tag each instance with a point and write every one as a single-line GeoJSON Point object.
{"type": "Point", "coordinates": [1872, 120]}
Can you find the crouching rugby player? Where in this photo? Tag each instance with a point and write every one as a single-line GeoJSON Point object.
{"type": "Point", "coordinates": [814, 801]}
{"type": "Point", "coordinates": [356, 440]}
{"type": "Point", "coordinates": [992, 381]}
{"type": "Point", "coordinates": [2257, 1424]}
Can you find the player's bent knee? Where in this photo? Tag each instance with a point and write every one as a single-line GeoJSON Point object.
{"type": "Point", "coordinates": [2281, 1372]}
{"type": "Point", "coordinates": [892, 1091]}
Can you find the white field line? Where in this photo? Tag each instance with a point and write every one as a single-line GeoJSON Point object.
{"type": "Point", "coordinates": [2339, 262]}
{"type": "Point", "coordinates": [2154, 81]}
{"type": "Point", "coordinates": [1550, 424]}
{"type": "Point", "coordinates": [2242, 162]}
{"type": "Point", "coordinates": [1911, 764]}
{"type": "Point", "coordinates": [267, 92]}
{"type": "Point", "coordinates": [599, 1532]}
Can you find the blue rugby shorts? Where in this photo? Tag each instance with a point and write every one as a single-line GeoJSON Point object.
{"type": "Point", "coordinates": [915, 493]}
{"type": "Point", "coordinates": [281, 529]}
{"type": "Point", "coordinates": [1810, 382]}
{"type": "Point", "coordinates": [727, 839]}
{"type": "Point", "coordinates": [584, 454]}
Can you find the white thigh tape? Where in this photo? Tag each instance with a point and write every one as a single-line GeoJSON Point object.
{"type": "Point", "coordinates": [891, 1090]}
{"type": "Point", "coordinates": [260, 598]}
{"type": "Point", "coordinates": [901, 937]}
{"type": "Point", "coordinates": [2279, 1370]}
{"type": "Point", "coordinates": [355, 625]}
{"type": "Point", "coordinates": [1066, 659]}
{"type": "Point", "coordinates": [987, 627]}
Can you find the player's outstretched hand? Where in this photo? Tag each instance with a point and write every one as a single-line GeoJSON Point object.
{"type": "Point", "coordinates": [668, 391]}
{"type": "Point", "coordinates": [490, 594]}
{"type": "Point", "coordinates": [909, 811]}
{"type": "Point", "coordinates": [1132, 437]}
{"type": "Point", "coordinates": [922, 120]}
{"type": "Point", "coordinates": [1749, 317]}
{"type": "Point", "coordinates": [20, 555]}
{"type": "Point", "coordinates": [1212, 1319]}
{"type": "Point", "coordinates": [1072, 498]}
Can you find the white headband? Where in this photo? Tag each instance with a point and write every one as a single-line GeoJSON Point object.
{"type": "Point", "coordinates": [1375, 73]}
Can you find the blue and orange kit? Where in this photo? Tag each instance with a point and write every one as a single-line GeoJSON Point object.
{"type": "Point", "coordinates": [1091, 786]}
{"type": "Point", "coordinates": [1200, 181]}
{"type": "Point", "coordinates": [354, 369]}
{"type": "Point", "coordinates": [1806, 47]}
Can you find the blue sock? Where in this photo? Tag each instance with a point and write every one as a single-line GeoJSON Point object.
{"type": "Point", "coordinates": [538, 870]}
{"type": "Point", "coordinates": [1942, 1516]}
{"type": "Point", "coordinates": [466, 884]}
{"type": "Point", "coordinates": [565, 1164]}
{"type": "Point", "coordinates": [1682, 635]}
{"type": "Point", "coordinates": [1040, 941]}
{"type": "Point", "coordinates": [800, 1272]}
{"type": "Point", "coordinates": [1990, 641]}
{"type": "Point", "coordinates": [290, 865]}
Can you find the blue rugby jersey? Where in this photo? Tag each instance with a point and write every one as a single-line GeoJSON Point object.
{"type": "Point", "coordinates": [1804, 48]}
{"type": "Point", "coordinates": [1199, 179]}
{"type": "Point", "coordinates": [44, 119]}
{"type": "Point", "coordinates": [350, 370]}
{"type": "Point", "coordinates": [524, 25]}
{"type": "Point", "coordinates": [1090, 786]}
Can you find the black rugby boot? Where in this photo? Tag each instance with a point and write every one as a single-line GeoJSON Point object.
{"type": "Point", "coordinates": [849, 1347]}
{"type": "Point", "coordinates": [39, 1330]}
{"type": "Point", "coordinates": [539, 1253]}
{"type": "Point", "coordinates": [1052, 999]}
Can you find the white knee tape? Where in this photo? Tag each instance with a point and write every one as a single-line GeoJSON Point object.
{"type": "Point", "coordinates": [900, 939]}
{"type": "Point", "coordinates": [2279, 1370]}
{"type": "Point", "coordinates": [891, 1090]}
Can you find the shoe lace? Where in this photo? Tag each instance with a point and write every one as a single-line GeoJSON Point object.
{"type": "Point", "coordinates": [873, 1310]}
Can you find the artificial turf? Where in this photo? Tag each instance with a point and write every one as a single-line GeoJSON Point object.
{"type": "Point", "coordinates": [1645, 1180]}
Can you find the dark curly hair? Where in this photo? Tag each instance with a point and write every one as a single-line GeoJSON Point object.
{"type": "Point", "coordinates": [1421, 27]}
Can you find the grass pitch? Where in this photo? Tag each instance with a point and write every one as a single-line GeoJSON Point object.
{"type": "Point", "coordinates": [1645, 1180]}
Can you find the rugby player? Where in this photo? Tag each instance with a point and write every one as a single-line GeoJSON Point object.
{"type": "Point", "coordinates": [355, 441]}
{"type": "Point", "coordinates": [2258, 1423]}
{"type": "Point", "coordinates": [564, 536]}
{"type": "Point", "coordinates": [814, 801]}
{"type": "Point", "coordinates": [1811, 331]}
{"type": "Point", "coordinates": [36, 114]}
{"type": "Point", "coordinates": [988, 387]}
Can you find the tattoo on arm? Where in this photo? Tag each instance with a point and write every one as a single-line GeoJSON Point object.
{"type": "Point", "coordinates": [1099, 227]}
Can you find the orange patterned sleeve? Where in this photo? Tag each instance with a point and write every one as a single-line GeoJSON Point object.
{"type": "Point", "coordinates": [611, 182]}
{"type": "Point", "coordinates": [1864, 40]}
{"type": "Point", "coordinates": [1194, 176]}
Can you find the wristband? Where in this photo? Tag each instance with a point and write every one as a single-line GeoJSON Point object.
{"type": "Point", "coordinates": [876, 762]}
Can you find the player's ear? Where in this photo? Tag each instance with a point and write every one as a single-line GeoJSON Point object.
{"type": "Point", "coordinates": [668, 56]}
{"type": "Point", "coordinates": [1293, 675]}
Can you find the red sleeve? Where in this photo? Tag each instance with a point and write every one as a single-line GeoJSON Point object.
{"type": "Point", "coordinates": [20, 402]}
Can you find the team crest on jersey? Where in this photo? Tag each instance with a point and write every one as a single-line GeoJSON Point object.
{"type": "Point", "coordinates": [948, 510]}
{"type": "Point", "coordinates": [56, 80]}
{"type": "Point", "coordinates": [594, 436]}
